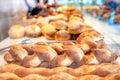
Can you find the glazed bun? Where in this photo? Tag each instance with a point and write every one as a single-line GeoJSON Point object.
{"type": "Point", "coordinates": [32, 31]}
{"type": "Point", "coordinates": [48, 31]}
{"type": "Point", "coordinates": [16, 31]}
{"type": "Point", "coordinates": [75, 27]}
{"type": "Point", "coordinates": [59, 24]}
{"type": "Point", "coordinates": [62, 35]}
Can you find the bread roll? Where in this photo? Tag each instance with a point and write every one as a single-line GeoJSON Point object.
{"type": "Point", "coordinates": [75, 27]}
{"type": "Point", "coordinates": [77, 17]}
{"type": "Point", "coordinates": [16, 31]}
{"type": "Point", "coordinates": [62, 35]}
{"type": "Point", "coordinates": [59, 24]}
{"type": "Point", "coordinates": [32, 31]}
{"type": "Point", "coordinates": [90, 35]}
{"type": "Point", "coordinates": [48, 31]}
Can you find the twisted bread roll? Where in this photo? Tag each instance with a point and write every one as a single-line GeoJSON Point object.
{"type": "Point", "coordinates": [18, 53]}
{"type": "Point", "coordinates": [57, 47]}
{"type": "Point", "coordinates": [16, 31]}
{"type": "Point", "coordinates": [60, 76]}
{"type": "Point", "coordinates": [65, 53]}
{"type": "Point", "coordinates": [48, 31]}
{"type": "Point", "coordinates": [62, 35]}
{"type": "Point", "coordinates": [75, 27]}
{"type": "Point", "coordinates": [107, 71]}
{"type": "Point", "coordinates": [45, 54]}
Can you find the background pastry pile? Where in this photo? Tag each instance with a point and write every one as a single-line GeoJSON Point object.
{"type": "Point", "coordinates": [88, 58]}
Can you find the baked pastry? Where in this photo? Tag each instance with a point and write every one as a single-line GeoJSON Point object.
{"type": "Point", "coordinates": [17, 53]}
{"type": "Point", "coordinates": [59, 24]}
{"type": "Point", "coordinates": [77, 17]}
{"type": "Point", "coordinates": [75, 27]}
{"type": "Point", "coordinates": [58, 17]}
{"type": "Point", "coordinates": [90, 72]}
{"type": "Point", "coordinates": [32, 31]}
{"type": "Point", "coordinates": [62, 35]}
{"type": "Point", "coordinates": [90, 35]}
{"type": "Point", "coordinates": [48, 31]}
{"type": "Point", "coordinates": [57, 47]}
{"type": "Point", "coordinates": [16, 31]}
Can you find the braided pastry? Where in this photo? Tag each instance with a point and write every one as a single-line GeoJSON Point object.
{"type": "Point", "coordinates": [66, 54]}
{"type": "Point", "coordinates": [91, 72]}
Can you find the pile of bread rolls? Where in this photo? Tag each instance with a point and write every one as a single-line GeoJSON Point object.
{"type": "Point", "coordinates": [88, 49]}
{"type": "Point", "coordinates": [64, 60]}
{"type": "Point", "coordinates": [63, 26]}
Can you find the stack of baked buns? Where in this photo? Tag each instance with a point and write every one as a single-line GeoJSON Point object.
{"type": "Point", "coordinates": [63, 26]}
{"type": "Point", "coordinates": [88, 58]}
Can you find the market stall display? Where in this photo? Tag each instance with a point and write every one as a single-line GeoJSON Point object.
{"type": "Point", "coordinates": [88, 57]}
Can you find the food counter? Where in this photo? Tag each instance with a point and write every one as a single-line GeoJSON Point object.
{"type": "Point", "coordinates": [79, 50]}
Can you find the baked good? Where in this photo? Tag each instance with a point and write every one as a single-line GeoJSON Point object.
{"type": "Point", "coordinates": [59, 24]}
{"type": "Point", "coordinates": [62, 35]}
{"type": "Point", "coordinates": [57, 47]}
{"type": "Point", "coordinates": [65, 53]}
{"type": "Point", "coordinates": [16, 31]}
{"type": "Point", "coordinates": [77, 17]}
{"type": "Point", "coordinates": [75, 27]}
{"type": "Point", "coordinates": [90, 72]}
{"type": "Point", "coordinates": [48, 31]}
{"type": "Point", "coordinates": [32, 31]}
{"type": "Point", "coordinates": [90, 35]}
{"type": "Point", "coordinates": [58, 17]}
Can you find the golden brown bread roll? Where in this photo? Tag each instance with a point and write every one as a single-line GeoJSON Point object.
{"type": "Point", "coordinates": [90, 35]}
{"type": "Point", "coordinates": [62, 35]}
{"type": "Point", "coordinates": [77, 17]}
{"type": "Point", "coordinates": [48, 31]}
{"type": "Point", "coordinates": [75, 27]}
{"type": "Point", "coordinates": [59, 24]}
{"type": "Point", "coordinates": [58, 17]}
{"type": "Point", "coordinates": [16, 31]}
{"type": "Point", "coordinates": [32, 31]}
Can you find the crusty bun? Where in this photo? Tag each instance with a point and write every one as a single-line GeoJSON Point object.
{"type": "Point", "coordinates": [76, 17]}
{"type": "Point", "coordinates": [48, 31]}
{"type": "Point", "coordinates": [62, 35]}
{"type": "Point", "coordinates": [32, 31]}
{"type": "Point", "coordinates": [16, 31]}
{"type": "Point", "coordinates": [58, 17]}
{"type": "Point", "coordinates": [59, 24]}
{"type": "Point", "coordinates": [90, 35]}
{"type": "Point", "coordinates": [75, 27]}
